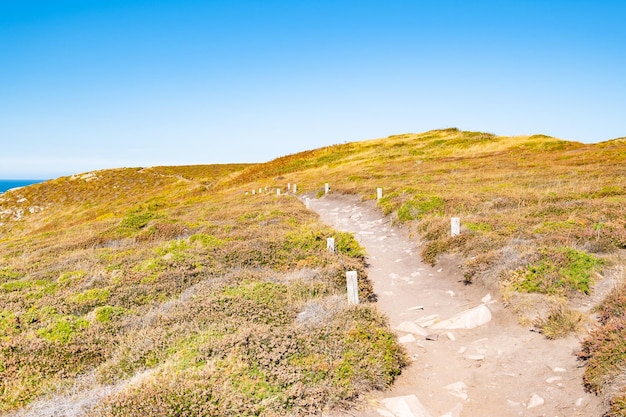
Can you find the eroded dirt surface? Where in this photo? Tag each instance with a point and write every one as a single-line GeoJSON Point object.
{"type": "Point", "coordinates": [496, 369]}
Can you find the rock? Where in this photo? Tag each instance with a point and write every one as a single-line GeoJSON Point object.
{"type": "Point", "coordinates": [535, 401]}
{"type": "Point", "coordinates": [458, 389]}
{"type": "Point", "coordinates": [450, 336]}
{"type": "Point", "coordinates": [558, 370]}
{"type": "Point", "coordinates": [475, 357]}
{"type": "Point", "coordinates": [469, 319]}
{"type": "Point", "coordinates": [580, 402]}
{"type": "Point", "coordinates": [411, 327]}
{"type": "Point", "coordinates": [455, 412]}
{"type": "Point", "coordinates": [405, 406]}
{"type": "Point", "coordinates": [554, 379]}
{"type": "Point", "coordinates": [428, 320]}
{"type": "Point", "coordinates": [450, 293]}
{"type": "Point", "coordinates": [416, 308]}
{"type": "Point", "coordinates": [432, 337]}
{"type": "Point", "coordinates": [486, 298]}
{"type": "Point", "coordinates": [513, 403]}
{"type": "Point", "coordinates": [409, 338]}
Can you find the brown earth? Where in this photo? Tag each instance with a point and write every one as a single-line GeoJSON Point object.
{"type": "Point", "coordinates": [497, 369]}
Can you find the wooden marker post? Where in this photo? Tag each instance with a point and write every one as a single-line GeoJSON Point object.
{"type": "Point", "coordinates": [455, 226]}
{"type": "Point", "coordinates": [260, 190]}
{"type": "Point", "coordinates": [253, 192]}
{"type": "Point", "coordinates": [379, 193]}
{"type": "Point", "coordinates": [326, 188]}
{"type": "Point", "coordinates": [352, 282]}
{"type": "Point", "coordinates": [278, 191]}
{"type": "Point", "coordinates": [307, 203]}
{"type": "Point", "coordinates": [288, 186]}
{"type": "Point", "coordinates": [295, 188]}
{"type": "Point", "coordinates": [330, 244]}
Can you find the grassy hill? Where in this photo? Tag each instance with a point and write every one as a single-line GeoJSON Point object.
{"type": "Point", "coordinates": [179, 290]}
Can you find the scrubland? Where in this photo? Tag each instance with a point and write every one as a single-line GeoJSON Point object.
{"type": "Point", "coordinates": [193, 296]}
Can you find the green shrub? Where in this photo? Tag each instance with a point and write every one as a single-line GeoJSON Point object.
{"type": "Point", "coordinates": [9, 324]}
{"type": "Point", "coordinates": [557, 271]}
{"type": "Point", "coordinates": [64, 329]}
{"type": "Point", "coordinates": [135, 220]}
{"type": "Point", "coordinates": [90, 298]}
{"type": "Point", "coordinates": [8, 274]}
{"type": "Point", "coordinates": [207, 241]}
{"type": "Point", "coordinates": [346, 244]}
{"type": "Point", "coordinates": [419, 206]}
{"type": "Point", "coordinates": [106, 314]}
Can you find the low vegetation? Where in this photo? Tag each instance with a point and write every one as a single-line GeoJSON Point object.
{"type": "Point", "coordinates": [196, 290]}
{"type": "Point", "coordinates": [210, 302]}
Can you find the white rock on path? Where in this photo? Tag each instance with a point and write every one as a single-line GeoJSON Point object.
{"type": "Point", "coordinates": [458, 389]}
{"type": "Point", "coordinates": [455, 412]}
{"type": "Point", "coordinates": [428, 320]}
{"type": "Point", "coordinates": [535, 401]}
{"type": "Point", "coordinates": [409, 338]}
{"type": "Point", "coordinates": [410, 327]}
{"type": "Point", "coordinates": [405, 406]}
{"type": "Point", "coordinates": [469, 319]}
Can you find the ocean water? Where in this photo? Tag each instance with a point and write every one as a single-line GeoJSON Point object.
{"type": "Point", "coordinates": [8, 184]}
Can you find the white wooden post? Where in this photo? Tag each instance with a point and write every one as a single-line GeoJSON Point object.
{"type": "Point", "coordinates": [295, 188]}
{"type": "Point", "coordinates": [260, 190]}
{"type": "Point", "coordinates": [288, 186]}
{"type": "Point", "coordinates": [352, 282]}
{"type": "Point", "coordinates": [455, 226]}
{"type": "Point", "coordinates": [278, 191]}
{"type": "Point", "coordinates": [253, 192]}
{"type": "Point", "coordinates": [379, 193]}
{"type": "Point", "coordinates": [326, 188]}
{"type": "Point", "coordinates": [330, 244]}
{"type": "Point", "coordinates": [307, 202]}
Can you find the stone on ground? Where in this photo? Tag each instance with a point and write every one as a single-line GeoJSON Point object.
{"type": "Point", "coordinates": [469, 319]}
{"type": "Point", "coordinates": [410, 327]}
{"type": "Point", "coordinates": [405, 406]}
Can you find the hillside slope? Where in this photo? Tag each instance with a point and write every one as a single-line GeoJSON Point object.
{"type": "Point", "coordinates": [146, 292]}
{"type": "Point", "coordinates": [199, 282]}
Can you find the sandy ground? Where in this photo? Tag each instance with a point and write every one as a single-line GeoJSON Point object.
{"type": "Point", "coordinates": [496, 369]}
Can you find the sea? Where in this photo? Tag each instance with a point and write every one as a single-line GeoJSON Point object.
{"type": "Point", "coordinates": [8, 184]}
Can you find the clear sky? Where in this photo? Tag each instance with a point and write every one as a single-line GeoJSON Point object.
{"type": "Point", "coordinates": [92, 84]}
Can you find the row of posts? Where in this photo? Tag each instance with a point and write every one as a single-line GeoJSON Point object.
{"type": "Point", "coordinates": [289, 188]}
{"type": "Point", "coordinates": [455, 222]}
{"type": "Point", "coordinates": [379, 191]}
{"type": "Point", "coordinates": [352, 276]}
{"type": "Point", "coordinates": [352, 279]}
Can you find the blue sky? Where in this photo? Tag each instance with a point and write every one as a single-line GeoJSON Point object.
{"type": "Point", "coordinates": [90, 84]}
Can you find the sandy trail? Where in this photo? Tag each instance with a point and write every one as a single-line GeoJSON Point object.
{"type": "Point", "coordinates": [496, 369]}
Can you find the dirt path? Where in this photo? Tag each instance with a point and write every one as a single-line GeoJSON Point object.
{"type": "Point", "coordinates": [495, 369]}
